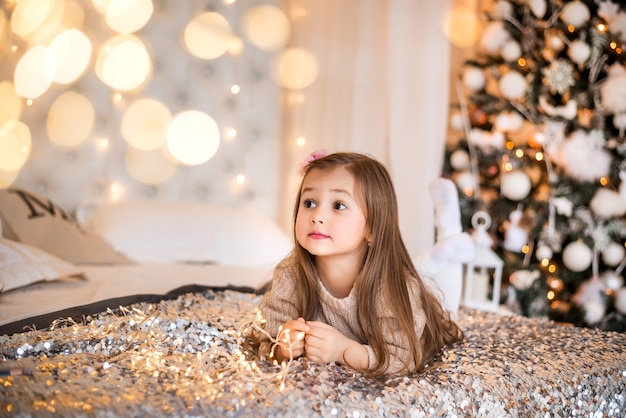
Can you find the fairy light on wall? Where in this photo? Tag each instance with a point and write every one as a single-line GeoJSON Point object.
{"type": "Point", "coordinates": [208, 35]}
{"type": "Point", "coordinates": [67, 56]}
{"type": "Point", "coordinates": [124, 63]}
{"type": "Point", "coordinates": [30, 80]}
{"type": "Point", "coordinates": [295, 69]}
{"type": "Point", "coordinates": [267, 27]}
{"type": "Point", "coordinates": [70, 119]}
{"type": "Point", "coordinates": [106, 77]}
{"type": "Point", "coordinates": [193, 137]}
{"type": "Point", "coordinates": [145, 123]}
{"type": "Point", "coordinates": [125, 16]}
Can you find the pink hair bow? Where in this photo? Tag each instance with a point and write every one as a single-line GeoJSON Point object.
{"type": "Point", "coordinates": [315, 155]}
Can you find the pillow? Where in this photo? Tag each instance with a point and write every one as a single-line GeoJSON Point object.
{"type": "Point", "coordinates": [21, 265]}
{"type": "Point", "coordinates": [38, 222]}
{"type": "Point", "coordinates": [151, 231]}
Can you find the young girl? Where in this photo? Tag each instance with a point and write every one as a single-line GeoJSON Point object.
{"type": "Point", "coordinates": [349, 293]}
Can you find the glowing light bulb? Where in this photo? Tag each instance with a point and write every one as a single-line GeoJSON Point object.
{"type": "Point", "coordinates": [208, 35]}
{"type": "Point", "coordinates": [102, 144]}
{"type": "Point", "coordinates": [193, 137]}
{"type": "Point", "coordinates": [295, 68]}
{"type": "Point", "coordinates": [231, 133]}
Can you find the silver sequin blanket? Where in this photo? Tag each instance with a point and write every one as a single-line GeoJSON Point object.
{"type": "Point", "coordinates": [188, 357]}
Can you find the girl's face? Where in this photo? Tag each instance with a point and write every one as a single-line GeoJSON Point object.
{"type": "Point", "coordinates": [330, 222]}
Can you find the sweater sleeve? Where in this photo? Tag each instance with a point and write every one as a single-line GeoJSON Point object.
{"type": "Point", "coordinates": [279, 304]}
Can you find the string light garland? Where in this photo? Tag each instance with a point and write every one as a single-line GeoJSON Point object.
{"type": "Point", "coordinates": [190, 356]}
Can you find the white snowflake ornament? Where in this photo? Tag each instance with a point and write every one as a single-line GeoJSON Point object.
{"type": "Point", "coordinates": [560, 75]}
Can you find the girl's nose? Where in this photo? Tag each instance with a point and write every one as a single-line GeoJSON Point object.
{"type": "Point", "coordinates": [317, 217]}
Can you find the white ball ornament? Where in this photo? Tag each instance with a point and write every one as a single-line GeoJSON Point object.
{"type": "Point", "coordinates": [619, 120]}
{"type": "Point", "coordinates": [502, 122]}
{"type": "Point", "coordinates": [538, 7]}
{"type": "Point", "coordinates": [613, 254]}
{"type": "Point", "coordinates": [513, 85]}
{"type": "Point", "coordinates": [508, 122]}
{"type": "Point", "coordinates": [473, 78]}
{"type": "Point", "coordinates": [494, 36]}
{"type": "Point", "coordinates": [515, 185]}
{"type": "Point", "coordinates": [579, 52]}
{"type": "Point", "coordinates": [594, 311]}
{"type": "Point", "coordinates": [503, 9]}
{"type": "Point", "coordinates": [577, 256]}
{"type": "Point", "coordinates": [460, 160]}
{"type": "Point", "coordinates": [511, 51]}
{"type": "Point", "coordinates": [515, 121]}
{"type": "Point", "coordinates": [543, 252]}
{"type": "Point", "coordinates": [575, 13]}
{"type": "Point", "coordinates": [465, 181]}
{"type": "Point", "coordinates": [612, 280]}
{"type": "Point", "coordinates": [608, 204]}
{"type": "Point", "coordinates": [456, 121]}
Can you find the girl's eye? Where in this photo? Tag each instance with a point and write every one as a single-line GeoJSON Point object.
{"type": "Point", "coordinates": [308, 203]}
{"type": "Point", "coordinates": [339, 206]}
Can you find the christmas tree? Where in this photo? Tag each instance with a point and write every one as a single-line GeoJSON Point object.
{"type": "Point", "coordinates": [540, 128]}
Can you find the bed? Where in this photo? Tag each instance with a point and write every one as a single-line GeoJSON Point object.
{"type": "Point", "coordinates": [167, 333]}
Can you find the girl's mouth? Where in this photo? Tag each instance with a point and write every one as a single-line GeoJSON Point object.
{"type": "Point", "coordinates": [317, 235]}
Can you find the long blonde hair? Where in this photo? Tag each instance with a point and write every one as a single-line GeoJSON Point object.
{"type": "Point", "coordinates": [387, 264]}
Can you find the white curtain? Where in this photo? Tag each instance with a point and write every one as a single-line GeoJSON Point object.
{"type": "Point", "coordinates": [382, 89]}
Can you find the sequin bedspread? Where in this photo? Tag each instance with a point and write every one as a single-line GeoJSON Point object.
{"type": "Point", "coordinates": [188, 357]}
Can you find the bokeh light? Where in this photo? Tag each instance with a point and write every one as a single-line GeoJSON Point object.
{"type": "Point", "coordinates": [207, 35]}
{"type": "Point", "coordinates": [15, 145]}
{"type": "Point", "coordinates": [145, 124]}
{"type": "Point", "coordinates": [29, 79]}
{"type": "Point", "coordinates": [63, 15]}
{"type": "Point", "coordinates": [193, 137]}
{"type": "Point", "coordinates": [149, 167]}
{"type": "Point", "coordinates": [10, 102]}
{"type": "Point", "coordinates": [295, 68]}
{"type": "Point", "coordinates": [29, 15]}
{"type": "Point", "coordinates": [67, 56]}
{"type": "Point", "coordinates": [462, 26]}
{"type": "Point", "coordinates": [128, 16]}
{"type": "Point", "coordinates": [124, 63]}
{"type": "Point", "coordinates": [70, 119]}
{"type": "Point", "coordinates": [267, 27]}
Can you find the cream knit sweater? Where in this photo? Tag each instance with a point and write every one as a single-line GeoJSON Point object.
{"type": "Point", "coordinates": [279, 305]}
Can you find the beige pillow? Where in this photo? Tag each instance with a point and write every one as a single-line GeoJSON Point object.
{"type": "Point", "coordinates": [37, 221]}
{"type": "Point", "coordinates": [21, 265]}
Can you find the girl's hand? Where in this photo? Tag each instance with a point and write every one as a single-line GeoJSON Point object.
{"type": "Point", "coordinates": [291, 339]}
{"type": "Point", "coordinates": [324, 344]}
